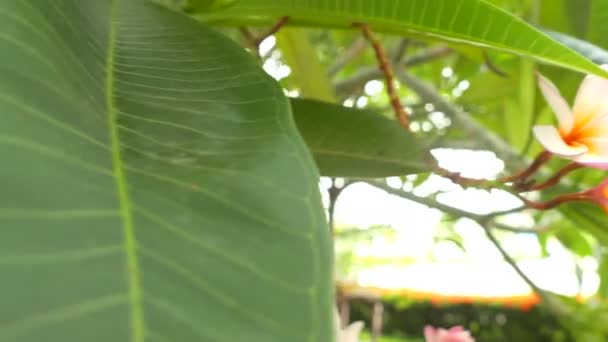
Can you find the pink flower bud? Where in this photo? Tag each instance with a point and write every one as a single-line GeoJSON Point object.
{"type": "Point", "coordinates": [599, 194]}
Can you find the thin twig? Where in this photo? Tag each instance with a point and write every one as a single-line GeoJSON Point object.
{"type": "Point", "coordinates": [365, 75]}
{"type": "Point", "coordinates": [432, 203]}
{"type": "Point", "coordinates": [400, 51]}
{"type": "Point", "coordinates": [557, 201]}
{"type": "Point", "coordinates": [557, 177]}
{"type": "Point", "coordinates": [540, 160]}
{"type": "Point", "coordinates": [491, 66]}
{"type": "Point", "coordinates": [354, 50]}
{"type": "Point", "coordinates": [389, 77]}
{"type": "Point", "coordinates": [272, 30]}
{"type": "Point", "coordinates": [427, 55]}
{"type": "Point", "coordinates": [467, 124]}
{"type": "Point", "coordinates": [250, 40]}
{"type": "Point", "coordinates": [540, 292]}
{"type": "Point", "coordinates": [334, 192]}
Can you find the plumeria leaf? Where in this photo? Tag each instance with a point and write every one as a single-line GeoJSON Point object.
{"type": "Point", "coordinates": [348, 142]}
{"type": "Point", "coordinates": [154, 185]}
{"type": "Point", "coordinates": [462, 21]}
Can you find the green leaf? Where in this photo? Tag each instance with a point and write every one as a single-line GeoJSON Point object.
{"type": "Point", "coordinates": [306, 69]}
{"type": "Point", "coordinates": [597, 30]}
{"type": "Point", "coordinates": [195, 6]}
{"type": "Point", "coordinates": [354, 143]}
{"type": "Point", "coordinates": [462, 21]}
{"type": "Point", "coordinates": [591, 51]}
{"type": "Point", "coordinates": [154, 185]}
{"type": "Point", "coordinates": [589, 217]}
{"type": "Point", "coordinates": [574, 239]}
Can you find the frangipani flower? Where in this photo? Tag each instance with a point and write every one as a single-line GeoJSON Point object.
{"type": "Point", "coordinates": [583, 130]}
{"type": "Point", "coordinates": [350, 333]}
{"type": "Point", "coordinates": [454, 334]}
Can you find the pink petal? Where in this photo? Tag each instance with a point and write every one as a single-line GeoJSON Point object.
{"type": "Point", "coordinates": [557, 102]}
{"type": "Point", "coordinates": [456, 328]}
{"type": "Point", "coordinates": [549, 137]}
{"type": "Point", "coordinates": [430, 334]}
{"type": "Point", "coordinates": [591, 99]}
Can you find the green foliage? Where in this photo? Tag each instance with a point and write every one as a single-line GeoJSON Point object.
{"type": "Point", "coordinates": [357, 143]}
{"type": "Point", "coordinates": [147, 184]}
{"type": "Point", "coordinates": [465, 21]}
{"type": "Point", "coordinates": [306, 69]}
{"type": "Point", "coordinates": [597, 30]}
{"type": "Point", "coordinates": [194, 6]}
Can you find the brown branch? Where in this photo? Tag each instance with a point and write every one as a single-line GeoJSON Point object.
{"type": "Point", "coordinates": [272, 30]}
{"type": "Point", "coordinates": [556, 178]}
{"type": "Point", "coordinates": [540, 160]}
{"type": "Point", "coordinates": [559, 200]}
{"type": "Point", "coordinates": [465, 182]}
{"type": "Point", "coordinates": [389, 76]}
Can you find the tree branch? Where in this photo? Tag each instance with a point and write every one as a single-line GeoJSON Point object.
{"type": "Point", "coordinates": [354, 50]}
{"type": "Point", "coordinates": [511, 261]}
{"type": "Point", "coordinates": [433, 203]}
{"type": "Point", "coordinates": [548, 299]}
{"type": "Point", "coordinates": [470, 127]}
{"type": "Point", "coordinates": [358, 81]}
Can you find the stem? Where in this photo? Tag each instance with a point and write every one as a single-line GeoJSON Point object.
{"type": "Point", "coordinates": [578, 196]}
{"type": "Point", "coordinates": [540, 160]}
{"type": "Point", "coordinates": [353, 51]}
{"type": "Point", "coordinates": [334, 192]}
{"type": "Point", "coordinates": [389, 76]}
{"type": "Point", "coordinates": [432, 203]}
{"type": "Point", "coordinates": [455, 176]}
{"type": "Point", "coordinates": [272, 30]}
{"type": "Point", "coordinates": [557, 177]}
{"type": "Point", "coordinates": [492, 67]}
{"type": "Point", "coordinates": [541, 293]}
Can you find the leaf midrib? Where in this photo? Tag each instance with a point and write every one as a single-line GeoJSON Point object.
{"type": "Point", "coordinates": [126, 213]}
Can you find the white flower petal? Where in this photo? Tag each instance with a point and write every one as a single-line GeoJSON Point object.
{"type": "Point", "coordinates": [549, 137]}
{"type": "Point", "coordinates": [591, 99]}
{"type": "Point", "coordinates": [557, 102]}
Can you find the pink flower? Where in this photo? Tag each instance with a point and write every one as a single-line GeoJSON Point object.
{"type": "Point", "coordinates": [583, 130]}
{"type": "Point", "coordinates": [454, 334]}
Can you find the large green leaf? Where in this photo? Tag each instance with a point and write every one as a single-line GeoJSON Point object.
{"type": "Point", "coordinates": [154, 185]}
{"type": "Point", "coordinates": [463, 21]}
{"type": "Point", "coordinates": [355, 143]}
